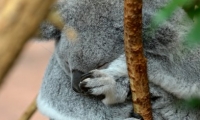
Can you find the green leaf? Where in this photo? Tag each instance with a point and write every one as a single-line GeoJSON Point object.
{"type": "Point", "coordinates": [167, 11]}
{"type": "Point", "coordinates": [192, 103]}
{"type": "Point", "coordinates": [194, 35]}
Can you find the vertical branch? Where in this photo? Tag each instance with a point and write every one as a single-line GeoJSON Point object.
{"type": "Point", "coordinates": [136, 62]}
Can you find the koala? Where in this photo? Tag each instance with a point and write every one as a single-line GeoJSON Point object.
{"type": "Point", "coordinates": [87, 77]}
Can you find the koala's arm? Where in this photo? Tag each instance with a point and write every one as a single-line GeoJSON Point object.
{"type": "Point", "coordinates": [180, 77]}
{"type": "Point", "coordinates": [113, 81]}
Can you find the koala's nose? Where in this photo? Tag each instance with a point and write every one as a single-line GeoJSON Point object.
{"type": "Point", "coordinates": [76, 78]}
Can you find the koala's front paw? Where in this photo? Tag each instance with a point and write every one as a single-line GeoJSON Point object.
{"type": "Point", "coordinates": [97, 83]}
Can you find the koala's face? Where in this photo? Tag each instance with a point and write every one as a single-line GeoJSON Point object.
{"type": "Point", "coordinates": [93, 36]}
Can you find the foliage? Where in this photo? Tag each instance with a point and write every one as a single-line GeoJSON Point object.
{"type": "Point", "coordinates": [192, 103]}
{"type": "Point", "coordinates": [192, 8]}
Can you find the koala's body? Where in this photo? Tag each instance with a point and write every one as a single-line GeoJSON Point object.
{"type": "Point", "coordinates": [89, 61]}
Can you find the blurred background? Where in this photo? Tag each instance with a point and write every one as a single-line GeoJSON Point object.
{"type": "Point", "coordinates": [24, 80]}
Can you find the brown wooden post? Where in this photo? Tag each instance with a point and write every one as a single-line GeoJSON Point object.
{"type": "Point", "coordinates": [136, 62]}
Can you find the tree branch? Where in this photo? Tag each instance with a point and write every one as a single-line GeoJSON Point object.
{"type": "Point", "coordinates": [19, 19]}
{"type": "Point", "coordinates": [29, 111]}
{"type": "Point", "coordinates": [136, 62]}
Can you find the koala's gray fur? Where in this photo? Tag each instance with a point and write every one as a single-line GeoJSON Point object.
{"type": "Point", "coordinates": [90, 60]}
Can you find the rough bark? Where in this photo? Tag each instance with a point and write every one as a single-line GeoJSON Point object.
{"type": "Point", "coordinates": [136, 62]}
{"type": "Point", "coordinates": [19, 20]}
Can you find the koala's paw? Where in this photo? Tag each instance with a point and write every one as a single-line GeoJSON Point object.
{"type": "Point", "coordinates": [98, 83]}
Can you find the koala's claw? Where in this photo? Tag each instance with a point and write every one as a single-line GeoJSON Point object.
{"type": "Point", "coordinates": [98, 83]}
{"type": "Point", "coordinates": [83, 84]}
{"type": "Point", "coordinates": [88, 91]}
{"type": "Point", "coordinates": [83, 87]}
{"type": "Point", "coordinates": [102, 83]}
{"type": "Point", "coordinates": [87, 75]}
